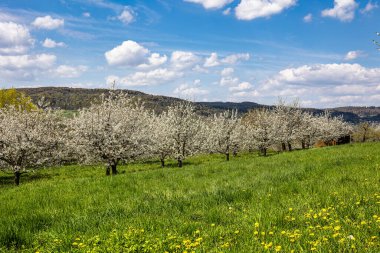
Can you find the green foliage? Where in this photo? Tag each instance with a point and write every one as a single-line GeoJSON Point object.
{"type": "Point", "coordinates": [322, 200]}
{"type": "Point", "coordinates": [12, 97]}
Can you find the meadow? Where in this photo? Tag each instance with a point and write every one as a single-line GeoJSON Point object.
{"type": "Point", "coordinates": [317, 200]}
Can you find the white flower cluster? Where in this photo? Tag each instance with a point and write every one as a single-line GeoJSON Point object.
{"type": "Point", "coordinates": [119, 129]}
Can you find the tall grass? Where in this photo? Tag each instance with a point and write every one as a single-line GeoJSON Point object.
{"type": "Point", "coordinates": [311, 200]}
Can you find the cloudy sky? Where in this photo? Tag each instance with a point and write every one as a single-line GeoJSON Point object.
{"type": "Point", "coordinates": [205, 50]}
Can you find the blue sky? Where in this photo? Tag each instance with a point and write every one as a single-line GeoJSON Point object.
{"type": "Point", "coordinates": [205, 50]}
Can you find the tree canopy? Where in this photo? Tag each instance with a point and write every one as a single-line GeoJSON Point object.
{"type": "Point", "coordinates": [12, 97]}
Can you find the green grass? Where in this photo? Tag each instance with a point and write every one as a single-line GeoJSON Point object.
{"type": "Point", "coordinates": [320, 200]}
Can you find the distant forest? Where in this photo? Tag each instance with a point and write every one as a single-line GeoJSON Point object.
{"type": "Point", "coordinates": [73, 99]}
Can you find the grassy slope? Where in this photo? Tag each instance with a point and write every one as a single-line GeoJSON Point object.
{"type": "Point", "coordinates": [209, 198]}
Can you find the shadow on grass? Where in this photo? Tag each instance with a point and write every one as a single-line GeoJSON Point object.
{"type": "Point", "coordinates": [8, 179]}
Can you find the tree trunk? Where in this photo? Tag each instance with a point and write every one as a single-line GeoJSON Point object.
{"type": "Point", "coordinates": [289, 146]}
{"type": "Point", "coordinates": [17, 177]}
{"type": "Point", "coordinates": [303, 144]}
{"type": "Point", "coordinates": [114, 170]}
{"type": "Point", "coordinates": [162, 162]}
{"type": "Point", "coordinates": [108, 170]}
{"type": "Point", "coordinates": [283, 146]}
{"type": "Point", "coordinates": [179, 162]}
{"type": "Point", "coordinates": [227, 156]}
{"type": "Point", "coordinates": [264, 151]}
{"type": "Point", "coordinates": [235, 151]}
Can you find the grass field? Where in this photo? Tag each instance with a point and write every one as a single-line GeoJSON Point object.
{"type": "Point", "coordinates": [320, 200]}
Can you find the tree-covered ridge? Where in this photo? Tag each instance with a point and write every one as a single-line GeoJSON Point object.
{"type": "Point", "coordinates": [77, 98]}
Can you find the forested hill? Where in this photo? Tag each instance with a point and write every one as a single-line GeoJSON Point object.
{"type": "Point", "coordinates": [76, 98]}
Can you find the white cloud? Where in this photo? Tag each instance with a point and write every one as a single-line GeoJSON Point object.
{"type": "Point", "coordinates": [227, 11]}
{"type": "Point", "coordinates": [252, 9]}
{"type": "Point", "coordinates": [352, 55]}
{"type": "Point", "coordinates": [153, 77]}
{"type": "Point", "coordinates": [127, 16]}
{"type": "Point", "coordinates": [40, 61]}
{"type": "Point", "coordinates": [211, 61]}
{"type": "Point", "coordinates": [234, 58]}
{"type": "Point", "coordinates": [369, 7]}
{"type": "Point", "coordinates": [200, 69]}
{"type": "Point", "coordinates": [48, 23]}
{"type": "Point", "coordinates": [190, 91]}
{"type": "Point", "coordinates": [49, 43]}
{"type": "Point", "coordinates": [129, 53]}
{"type": "Point", "coordinates": [25, 67]}
{"type": "Point", "coordinates": [14, 38]}
{"type": "Point", "coordinates": [325, 85]}
{"type": "Point", "coordinates": [326, 75]}
{"type": "Point", "coordinates": [241, 87]}
{"type": "Point", "coordinates": [86, 14]}
{"type": "Point", "coordinates": [211, 4]}
{"type": "Point", "coordinates": [181, 60]}
{"type": "Point", "coordinates": [154, 60]}
{"type": "Point", "coordinates": [66, 71]}
{"type": "Point", "coordinates": [227, 72]}
{"type": "Point", "coordinates": [308, 18]}
{"type": "Point", "coordinates": [344, 10]}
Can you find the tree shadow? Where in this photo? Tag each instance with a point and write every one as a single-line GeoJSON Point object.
{"type": "Point", "coordinates": [8, 179]}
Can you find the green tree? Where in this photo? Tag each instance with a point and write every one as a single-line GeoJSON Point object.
{"type": "Point", "coordinates": [12, 97]}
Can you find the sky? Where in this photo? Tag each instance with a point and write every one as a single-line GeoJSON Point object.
{"type": "Point", "coordinates": [319, 52]}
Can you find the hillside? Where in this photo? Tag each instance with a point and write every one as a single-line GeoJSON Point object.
{"type": "Point", "coordinates": [322, 200]}
{"type": "Point", "coordinates": [76, 98]}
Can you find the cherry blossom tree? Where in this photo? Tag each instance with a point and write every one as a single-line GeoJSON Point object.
{"type": "Point", "coordinates": [186, 129]}
{"type": "Point", "coordinates": [162, 137]}
{"type": "Point", "coordinates": [261, 129]}
{"type": "Point", "coordinates": [223, 135]}
{"type": "Point", "coordinates": [289, 119]}
{"type": "Point", "coordinates": [114, 130]}
{"type": "Point", "coordinates": [332, 128]}
{"type": "Point", "coordinates": [28, 140]}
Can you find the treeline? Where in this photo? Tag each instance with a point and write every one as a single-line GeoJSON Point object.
{"type": "Point", "coordinates": [120, 129]}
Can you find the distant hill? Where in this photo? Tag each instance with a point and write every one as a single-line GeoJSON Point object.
{"type": "Point", "coordinates": [76, 98]}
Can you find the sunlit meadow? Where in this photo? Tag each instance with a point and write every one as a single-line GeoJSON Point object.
{"type": "Point", "coordinates": [321, 200]}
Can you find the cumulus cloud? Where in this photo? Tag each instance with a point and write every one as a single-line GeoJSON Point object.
{"type": "Point", "coordinates": [344, 10]}
{"type": "Point", "coordinates": [49, 43]}
{"type": "Point", "coordinates": [352, 55]}
{"type": "Point", "coordinates": [129, 53]}
{"type": "Point", "coordinates": [127, 16]}
{"type": "Point", "coordinates": [86, 14]}
{"type": "Point", "coordinates": [252, 9]}
{"type": "Point", "coordinates": [153, 77]}
{"type": "Point", "coordinates": [48, 23]}
{"type": "Point", "coordinates": [14, 38]}
{"type": "Point", "coordinates": [227, 72]}
{"type": "Point", "coordinates": [40, 61]}
{"type": "Point", "coordinates": [190, 91]}
{"type": "Point", "coordinates": [308, 18]}
{"type": "Point", "coordinates": [326, 85]}
{"type": "Point", "coordinates": [181, 60]}
{"type": "Point", "coordinates": [211, 4]}
{"type": "Point", "coordinates": [235, 58]}
{"type": "Point", "coordinates": [154, 60]}
{"type": "Point", "coordinates": [66, 71]}
{"type": "Point", "coordinates": [25, 67]}
{"type": "Point", "coordinates": [211, 61]}
{"type": "Point", "coordinates": [241, 87]}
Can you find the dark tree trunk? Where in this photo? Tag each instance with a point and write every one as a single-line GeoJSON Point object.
{"type": "Point", "coordinates": [162, 162]}
{"type": "Point", "coordinates": [289, 146]}
{"type": "Point", "coordinates": [235, 151]}
{"type": "Point", "coordinates": [179, 162]}
{"type": "Point", "coordinates": [264, 151]}
{"type": "Point", "coordinates": [283, 146]}
{"type": "Point", "coordinates": [114, 170]}
{"type": "Point", "coordinates": [108, 170]}
{"type": "Point", "coordinates": [227, 156]}
{"type": "Point", "coordinates": [303, 144]}
{"type": "Point", "coordinates": [17, 177]}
